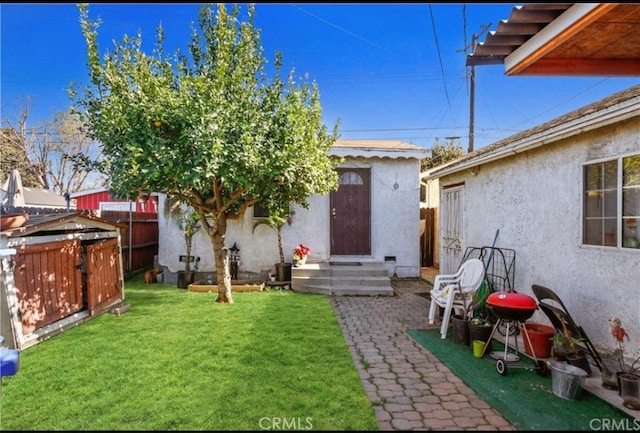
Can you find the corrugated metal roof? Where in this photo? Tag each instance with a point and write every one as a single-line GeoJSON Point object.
{"type": "Point", "coordinates": [524, 22]}
{"type": "Point", "coordinates": [575, 39]}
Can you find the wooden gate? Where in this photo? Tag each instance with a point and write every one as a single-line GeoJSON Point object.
{"type": "Point", "coordinates": [427, 239]}
{"type": "Point", "coordinates": [104, 276]}
{"type": "Point", "coordinates": [49, 281]}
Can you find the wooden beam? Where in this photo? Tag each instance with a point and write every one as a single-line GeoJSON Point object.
{"type": "Point", "coordinates": [561, 38]}
{"type": "Point", "coordinates": [580, 67]}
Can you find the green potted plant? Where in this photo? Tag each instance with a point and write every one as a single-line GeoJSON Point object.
{"type": "Point", "coordinates": [559, 346]}
{"type": "Point", "coordinates": [575, 356]}
{"type": "Point", "coordinates": [276, 220]}
{"type": "Point", "coordinates": [480, 325]}
{"type": "Point", "coordinates": [189, 222]}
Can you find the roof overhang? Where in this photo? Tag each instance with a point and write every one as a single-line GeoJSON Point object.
{"type": "Point", "coordinates": [553, 131]}
{"type": "Point", "coordinates": [377, 149]}
{"type": "Point", "coordinates": [581, 39]}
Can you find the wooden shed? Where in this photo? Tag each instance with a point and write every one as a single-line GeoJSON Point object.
{"type": "Point", "coordinates": [58, 271]}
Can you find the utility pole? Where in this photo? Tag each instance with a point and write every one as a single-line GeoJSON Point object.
{"type": "Point", "coordinates": [472, 97]}
{"type": "Point", "coordinates": [472, 89]}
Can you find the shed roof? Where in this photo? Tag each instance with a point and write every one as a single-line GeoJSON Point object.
{"type": "Point", "coordinates": [42, 198]}
{"type": "Point", "coordinates": [74, 221]}
{"type": "Point", "coordinates": [615, 108]}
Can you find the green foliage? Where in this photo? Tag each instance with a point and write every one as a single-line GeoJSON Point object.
{"type": "Point", "coordinates": [441, 153]}
{"type": "Point", "coordinates": [209, 127]}
{"type": "Point", "coordinates": [189, 222]}
{"type": "Point", "coordinates": [276, 220]}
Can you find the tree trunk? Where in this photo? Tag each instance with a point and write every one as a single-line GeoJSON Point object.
{"type": "Point", "coordinates": [222, 265]}
{"type": "Point", "coordinates": [280, 248]}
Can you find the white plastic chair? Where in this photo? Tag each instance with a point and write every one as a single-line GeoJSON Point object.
{"type": "Point", "coordinates": [455, 292]}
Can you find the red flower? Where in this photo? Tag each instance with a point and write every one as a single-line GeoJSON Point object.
{"type": "Point", "coordinates": [301, 251]}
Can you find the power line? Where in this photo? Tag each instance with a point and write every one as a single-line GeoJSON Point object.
{"type": "Point", "coordinates": [444, 81]}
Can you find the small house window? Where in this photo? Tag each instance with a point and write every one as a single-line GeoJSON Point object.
{"type": "Point", "coordinates": [611, 207]}
{"type": "Point", "coordinates": [350, 178]}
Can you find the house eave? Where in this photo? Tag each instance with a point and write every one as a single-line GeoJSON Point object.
{"type": "Point", "coordinates": [625, 110]}
{"type": "Point", "coordinates": [550, 36]}
{"type": "Point", "coordinates": [355, 152]}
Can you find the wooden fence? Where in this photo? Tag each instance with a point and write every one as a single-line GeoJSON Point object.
{"type": "Point", "coordinates": [427, 239]}
{"type": "Point", "coordinates": [139, 238]}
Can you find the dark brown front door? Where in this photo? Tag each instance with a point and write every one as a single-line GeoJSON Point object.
{"type": "Point", "coordinates": [351, 213]}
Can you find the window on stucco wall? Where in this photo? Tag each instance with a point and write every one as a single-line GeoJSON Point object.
{"type": "Point", "coordinates": [612, 203]}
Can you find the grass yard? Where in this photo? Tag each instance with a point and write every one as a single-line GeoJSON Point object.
{"type": "Point", "coordinates": [177, 360]}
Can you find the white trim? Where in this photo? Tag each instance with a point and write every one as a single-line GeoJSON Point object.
{"type": "Point", "coordinates": [87, 192]}
{"type": "Point", "coordinates": [123, 206]}
{"type": "Point", "coordinates": [355, 152]}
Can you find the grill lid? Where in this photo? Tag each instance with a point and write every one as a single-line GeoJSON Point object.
{"type": "Point", "coordinates": [513, 300]}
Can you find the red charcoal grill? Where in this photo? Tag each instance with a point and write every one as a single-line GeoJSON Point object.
{"type": "Point", "coordinates": [511, 308]}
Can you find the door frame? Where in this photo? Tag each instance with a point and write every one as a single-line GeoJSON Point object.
{"type": "Point", "coordinates": [451, 227]}
{"type": "Point", "coordinates": [364, 240]}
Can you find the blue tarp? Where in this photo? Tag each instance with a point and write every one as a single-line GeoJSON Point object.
{"type": "Point", "coordinates": [9, 361]}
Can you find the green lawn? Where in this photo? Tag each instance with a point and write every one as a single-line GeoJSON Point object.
{"type": "Point", "coordinates": [177, 360]}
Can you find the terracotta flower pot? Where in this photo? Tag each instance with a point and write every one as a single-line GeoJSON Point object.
{"type": "Point", "coordinates": [539, 342]}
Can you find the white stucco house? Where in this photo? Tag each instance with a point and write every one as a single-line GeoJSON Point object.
{"type": "Point", "coordinates": [566, 197]}
{"type": "Point", "coordinates": [372, 217]}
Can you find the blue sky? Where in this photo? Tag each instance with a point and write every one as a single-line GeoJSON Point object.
{"type": "Point", "coordinates": [386, 71]}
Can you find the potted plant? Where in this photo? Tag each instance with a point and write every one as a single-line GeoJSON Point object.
{"type": "Point", "coordinates": [480, 325]}
{"type": "Point", "coordinates": [559, 346]}
{"type": "Point", "coordinates": [300, 255]}
{"type": "Point", "coordinates": [189, 222]}
{"type": "Point", "coordinates": [276, 220]}
{"type": "Point", "coordinates": [575, 355]}
{"type": "Point", "coordinates": [627, 378]}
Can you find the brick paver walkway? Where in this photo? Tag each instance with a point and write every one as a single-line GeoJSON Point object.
{"type": "Point", "coordinates": [409, 388]}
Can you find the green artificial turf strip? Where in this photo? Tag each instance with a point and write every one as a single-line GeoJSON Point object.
{"type": "Point", "coordinates": [522, 397]}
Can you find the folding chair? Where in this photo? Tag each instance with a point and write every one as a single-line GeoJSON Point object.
{"type": "Point", "coordinates": [455, 291]}
{"type": "Point", "coordinates": [551, 304]}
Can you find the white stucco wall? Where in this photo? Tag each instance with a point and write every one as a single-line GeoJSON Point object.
{"type": "Point", "coordinates": [395, 226]}
{"type": "Point", "coordinates": [535, 200]}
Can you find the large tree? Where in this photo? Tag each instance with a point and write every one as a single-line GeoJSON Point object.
{"type": "Point", "coordinates": [65, 154]}
{"type": "Point", "coordinates": [210, 128]}
{"type": "Point", "coordinates": [54, 155]}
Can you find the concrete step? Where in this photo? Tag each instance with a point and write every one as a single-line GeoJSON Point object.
{"type": "Point", "coordinates": [344, 279]}
{"type": "Point", "coordinates": [349, 280]}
